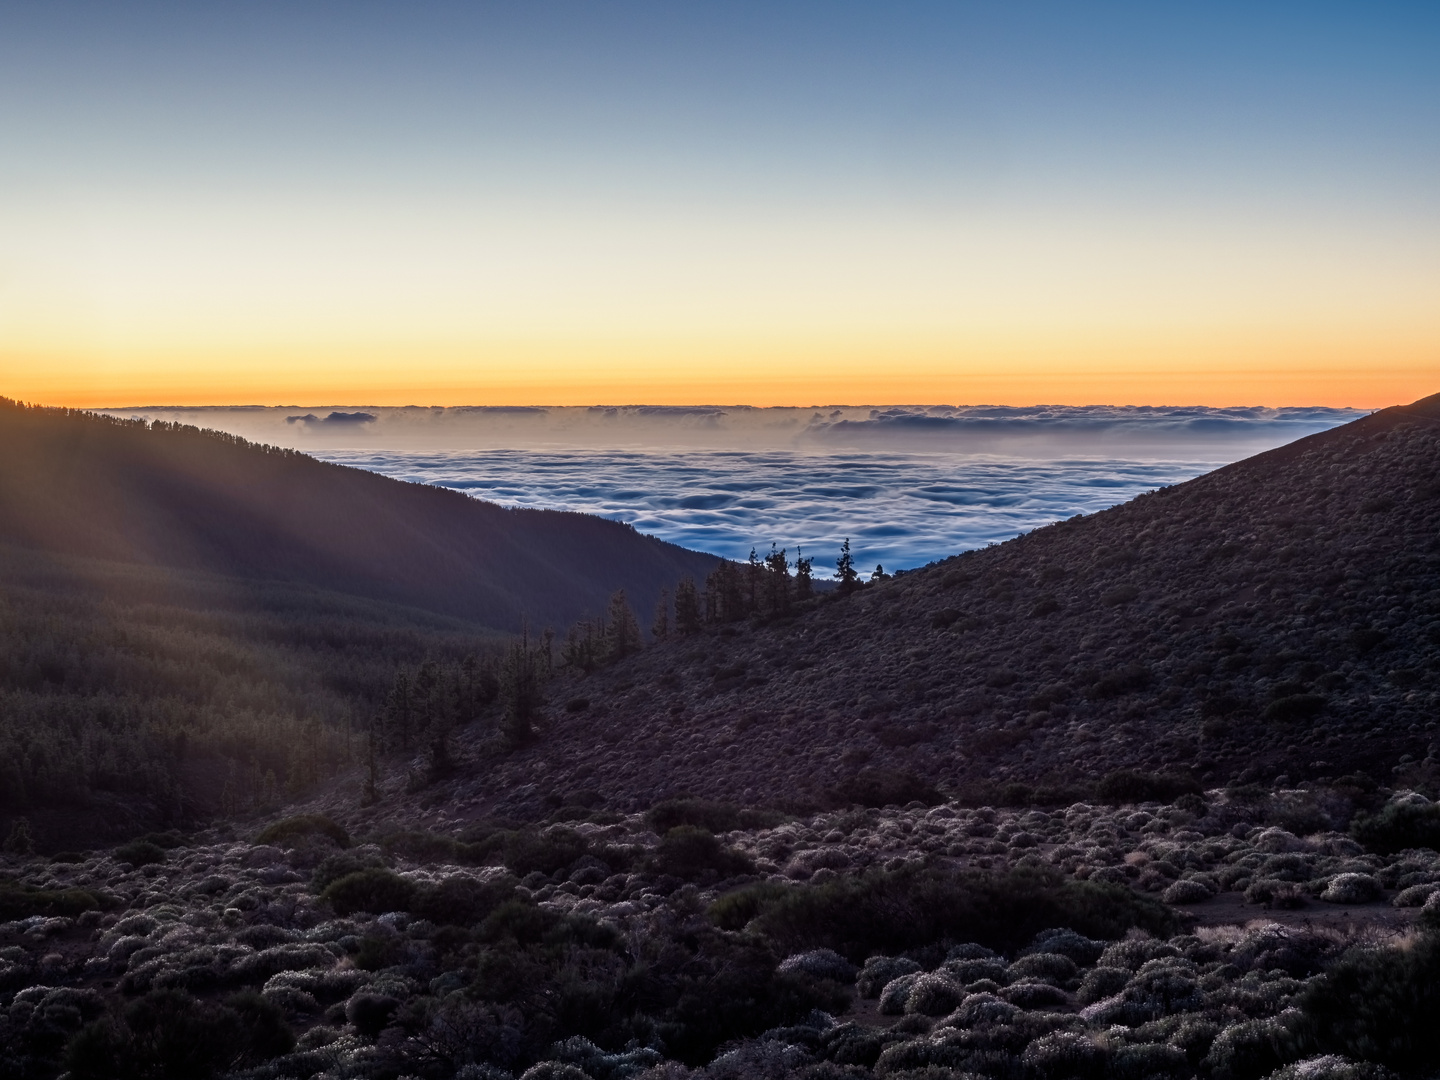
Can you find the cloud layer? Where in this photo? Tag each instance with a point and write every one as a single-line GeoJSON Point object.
{"type": "Point", "coordinates": [902, 510]}
{"type": "Point", "coordinates": [906, 485]}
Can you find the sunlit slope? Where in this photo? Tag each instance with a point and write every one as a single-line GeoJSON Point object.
{"type": "Point", "coordinates": [77, 484]}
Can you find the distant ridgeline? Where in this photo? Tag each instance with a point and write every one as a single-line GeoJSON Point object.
{"type": "Point", "coordinates": [189, 621]}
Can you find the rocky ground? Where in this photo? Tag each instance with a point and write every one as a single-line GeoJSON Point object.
{"type": "Point", "coordinates": [484, 955]}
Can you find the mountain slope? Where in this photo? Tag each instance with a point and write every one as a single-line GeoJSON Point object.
{"type": "Point", "coordinates": [77, 484]}
{"type": "Point", "coordinates": [1278, 617]}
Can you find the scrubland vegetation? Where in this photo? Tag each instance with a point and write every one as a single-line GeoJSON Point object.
{"type": "Point", "coordinates": [705, 941]}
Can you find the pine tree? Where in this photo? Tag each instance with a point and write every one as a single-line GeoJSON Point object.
{"type": "Point", "coordinates": [520, 691]}
{"type": "Point", "coordinates": [399, 714]}
{"type": "Point", "coordinates": [777, 582]}
{"type": "Point", "coordinates": [624, 636]}
{"type": "Point", "coordinates": [660, 627]}
{"type": "Point", "coordinates": [754, 579]}
{"type": "Point", "coordinates": [687, 607]}
{"type": "Point", "coordinates": [845, 568]}
{"type": "Point", "coordinates": [20, 841]}
{"type": "Point", "coordinates": [804, 584]}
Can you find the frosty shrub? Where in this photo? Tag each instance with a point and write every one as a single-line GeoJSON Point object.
{"type": "Point", "coordinates": [897, 993]}
{"type": "Point", "coordinates": [1332, 1067]}
{"type": "Point", "coordinates": [1149, 1061]}
{"type": "Point", "coordinates": [1064, 1054]}
{"type": "Point", "coordinates": [1102, 982]}
{"type": "Point", "coordinates": [1035, 995]}
{"type": "Point", "coordinates": [985, 1009]}
{"type": "Point", "coordinates": [820, 964]}
{"type": "Point", "coordinates": [1079, 948]}
{"type": "Point", "coordinates": [1351, 889]}
{"type": "Point", "coordinates": [879, 970]}
{"type": "Point", "coordinates": [554, 1070]}
{"type": "Point", "coordinates": [1415, 895]}
{"type": "Point", "coordinates": [1249, 1050]}
{"type": "Point", "coordinates": [1186, 891]}
{"type": "Point", "coordinates": [1046, 966]}
{"type": "Point", "coordinates": [933, 995]}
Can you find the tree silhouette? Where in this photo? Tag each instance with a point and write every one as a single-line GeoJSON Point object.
{"type": "Point", "coordinates": [687, 607]}
{"type": "Point", "coordinates": [845, 568]}
{"type": "Point", "coordinates": [520, 691]}
{"type": "Point", "coordinates": [624, 637]}
{"type": "Point", "coordinates": [804, 584]}
{"type": "Point", "coordinates": [660, 627]}
{"type": "Point", "coordinates": [777, 582]}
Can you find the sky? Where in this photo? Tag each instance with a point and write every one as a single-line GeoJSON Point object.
{"type": "Point", "coordinates": [384, 204]}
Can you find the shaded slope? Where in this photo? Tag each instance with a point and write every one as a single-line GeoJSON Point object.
{"type": "Point", "coordinates": [1280, 616]}
{"type": "Point", "coordinates": [77, 484]}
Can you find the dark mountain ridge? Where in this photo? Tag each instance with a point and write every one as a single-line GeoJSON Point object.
{"type": "Point", "coordinates": [78, 484]}
{"type": "Point", "coordinates": [1277, 619]}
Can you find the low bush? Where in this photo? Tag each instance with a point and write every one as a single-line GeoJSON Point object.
{"type": "Point", "coordinates": [19, 901]}
{"type": "Point", "coordinates": [701, 813]}
{"type": "Point", "coordinates": [1294, 707]}
{"type": "Point", "coordinates": [1398, 826]}
{"type": "Point", "coordinates": [1127, 785]}
{"type": "Point", "coordinates": [734, 910]}
{"type": "Point", "coordinates": [555, 849]}
{"type": "Point", "coordinates": [342, 864]}
{"type": "Point", "coordinates": [461, 900]}
{"type": "Point", "coordinates": [689, 852]}
{"type": "Point", "coordinates": [890, 912]}
{"type": "Point", "coordinates": [168, 1034]}
{"type": "Point", "coordinates": [1378, 1006]}
{"type": "Point", "coordinates": [303, 825]}
{"type": "Point", "coordinates": [884, 787]}
{"type": "Point", "coordinates": [140, 853]}
{"type": "Point", "coordinates": [375, 890]}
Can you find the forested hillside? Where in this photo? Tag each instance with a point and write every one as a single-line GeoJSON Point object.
{"type": "Point", "coordinates": [191, 624]}
{"type": "Point", "coordinates": [166, 495]}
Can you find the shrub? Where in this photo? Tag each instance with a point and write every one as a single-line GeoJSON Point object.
{"type": "Point", "coordinates": [1064, 1054]}
{"type": "Point", "coordinates": [302, 825]}
{"type": "Point", "coordinates": [895, 911]}
{"type": "Point", "coordinates": [548, 852]}
{"type": "Point", "coordinates": [1100, 983]}
{"type": "Point", "coordinates": [167, 1033]}
{"type": "Point", "coordinates": [19, 901]}
{"type": "Point", "coordinates": [1250, 1050]}
{"type": "Point", "coordinates": [461, 900]}
{"type": "Point", "coordinates": [375, 891]}
{"type": "Point", "coordinates": [428, 847]}
{"type": "Point", "coordinates": [343, 863]}
{"type": "Point", "coordinates": [1127, 785]}
{"type": "Point", "coordinates": [1186, 891]}
{"type": "Point", "coordinates": [1294, 707]}
{"type": "Point", "coordinates": [934, 995]}
{"type": "Point", "coordinates": [884, 787]}
{"type": "Point", "coordinates": [1351, 889]}
{"type": "Point", "coordinates": [1120, 594]}
{"type": "Point", "coordinates": [140, 853]}
{"type": "Point", "coordinates": [371, 1013]}
{"type": "Point", "coordinates": [701, 813]}
{"type": "Point", "coordinates": [734, 910]}
{"type": "Point", "coordinates": [820, 964]}
{"type": "Point", "coordinates": [1398, 826]}
{"type": "Point", "coordinates": [689, 852]}
{"type": "Point", "coordinates": [1378, 1006]}
{"type": "Point", "coordinates": [879, 970]}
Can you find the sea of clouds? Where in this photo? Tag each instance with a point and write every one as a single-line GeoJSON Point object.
{"type": "Point", "coordinates": [905, 485]}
